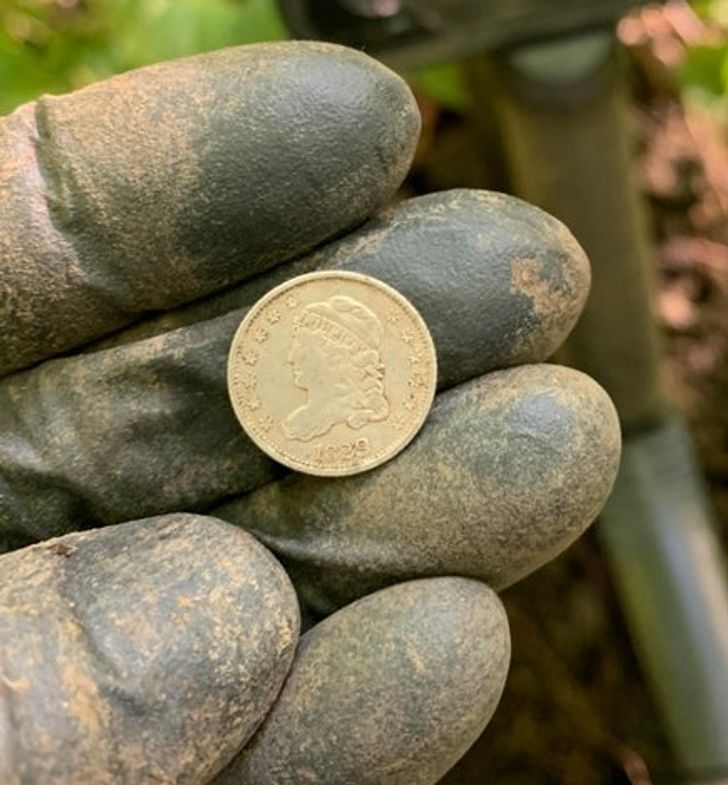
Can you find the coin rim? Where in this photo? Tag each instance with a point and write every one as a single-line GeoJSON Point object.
{"type": "Point", "coordinates": [298, 280]}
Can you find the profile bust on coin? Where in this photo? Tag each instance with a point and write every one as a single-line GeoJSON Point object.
{"type": "Point", "coordinates": [335, 358]}
{"type": "Point", "coordinates": [345, 365]}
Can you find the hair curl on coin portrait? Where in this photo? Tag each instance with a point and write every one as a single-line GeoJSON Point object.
{"type": "Point", "coordinates": [335, 357]}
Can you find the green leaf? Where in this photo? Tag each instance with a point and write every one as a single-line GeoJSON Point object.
{"type": "Point", "coordinates": [702, 71]}
{"type": "Point", "coordinates": [45, 47]}
{"type": "Point", "coordinates": [163, 29]}
{"type": "Point", "coordinates": [443, 84]}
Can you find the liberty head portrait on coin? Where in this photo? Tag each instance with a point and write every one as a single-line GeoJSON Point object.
{"type": "Point", "coordinates": [336, 359]}
{"type": "Point", "coordinates": [345, 365]}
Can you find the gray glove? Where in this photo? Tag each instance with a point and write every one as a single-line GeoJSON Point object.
{"type": "Point", "coordinates": [139, 219]}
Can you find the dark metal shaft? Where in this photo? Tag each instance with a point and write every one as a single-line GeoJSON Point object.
{"type": "Point", "coordinates": [564, 116]}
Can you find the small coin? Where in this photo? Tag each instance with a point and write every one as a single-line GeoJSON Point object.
{"type": "Point", "coordinates": [332, 373]}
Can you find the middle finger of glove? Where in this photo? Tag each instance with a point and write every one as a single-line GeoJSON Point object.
{"type": "Point", "coordinates": [145, 427]}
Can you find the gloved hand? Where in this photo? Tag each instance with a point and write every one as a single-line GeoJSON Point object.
{"type": "Point", "coordinates": [139, 218]}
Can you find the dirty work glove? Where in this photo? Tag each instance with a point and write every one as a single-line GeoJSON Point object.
{"type": "Point", "coordinates": [139, 219]}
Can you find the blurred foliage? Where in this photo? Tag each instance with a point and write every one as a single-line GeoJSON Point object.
{"type": "Point", "coordinates": [53, 46]}
{"type": "Point", "coordinates": [58, 45]}
{"type": "Point", "coordinates": [443, 84]}
{"type": "Point", "coordinates": [703, 73]}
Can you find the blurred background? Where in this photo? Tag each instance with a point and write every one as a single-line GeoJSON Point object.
{"type": "Point", "coordinates": [577, 709]}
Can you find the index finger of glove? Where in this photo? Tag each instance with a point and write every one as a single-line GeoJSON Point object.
{"type": "Point", "coordinates": [157, 187]}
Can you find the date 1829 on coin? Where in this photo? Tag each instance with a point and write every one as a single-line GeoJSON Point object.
{"type": "Point", "coordinates": [332, 373]}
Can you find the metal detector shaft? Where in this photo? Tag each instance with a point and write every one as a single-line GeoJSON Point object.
{"type": "Point", "coordinates": [565, 128]}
